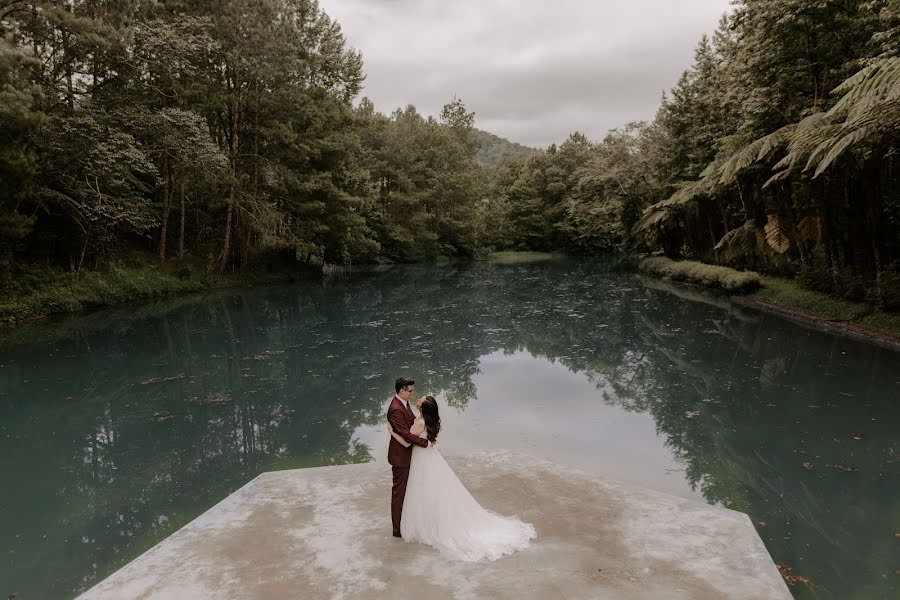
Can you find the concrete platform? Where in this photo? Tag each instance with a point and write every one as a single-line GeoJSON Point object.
{"type": "Point", "coordinates": [325, 533]}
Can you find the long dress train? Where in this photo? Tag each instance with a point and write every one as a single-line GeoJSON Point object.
{"type": "Point", "coordinates": [438, 510]}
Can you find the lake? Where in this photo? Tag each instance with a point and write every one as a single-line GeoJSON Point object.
{"type": "Point", "coordinates": [120, 426]}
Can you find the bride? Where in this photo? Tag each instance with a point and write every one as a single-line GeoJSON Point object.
{"type": "Point", "coordinates": [438, 510]}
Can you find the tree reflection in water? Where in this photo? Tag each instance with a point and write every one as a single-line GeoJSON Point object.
{"type": "Point", "coordinates": [121, 426]}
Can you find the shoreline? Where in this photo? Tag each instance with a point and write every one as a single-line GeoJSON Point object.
{"type": "Point", "coordinates": [73, 295]}
{"type": "Point", "coordinates": [845, 328]}
{"type": "Point", "coordinates": [65, 293]}
{"type": "Point", "coordinates": [784, 298]}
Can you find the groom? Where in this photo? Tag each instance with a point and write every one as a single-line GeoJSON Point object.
{"type": "Point", "coordinates": [401, 418]}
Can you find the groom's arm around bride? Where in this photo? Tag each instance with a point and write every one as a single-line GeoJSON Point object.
{"type": "Point", "coordinates": [398, 420]}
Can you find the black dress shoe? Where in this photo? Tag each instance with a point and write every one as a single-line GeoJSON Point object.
{"type": "Point", "coordinates": [396, 534]}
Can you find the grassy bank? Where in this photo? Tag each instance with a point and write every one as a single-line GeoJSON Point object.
{"type": "Point", "coordinates": [711, 276]}
{"type": "Point", "coordinates": [783, 297]}
{"type": "Point", "coordinates": [516, 257]}
{"type": "Point", "coordinates": [64, 292]}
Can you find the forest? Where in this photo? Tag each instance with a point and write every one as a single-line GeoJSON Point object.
{"type": "Point", "coordinates": [775, 151]}
{"type": "Point", "coordinates": [228, 136]}
{"type": "Point", "coordinates": [225, 131]}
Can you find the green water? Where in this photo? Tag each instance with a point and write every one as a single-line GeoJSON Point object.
{"type": "Point", "coordinates": [119, 427]}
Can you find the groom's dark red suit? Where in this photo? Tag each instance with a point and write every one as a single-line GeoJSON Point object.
{"type": "Point", "coordinates": [401, 418]}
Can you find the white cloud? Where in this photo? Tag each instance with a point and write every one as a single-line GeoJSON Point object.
{"type": "Point", "coordinates": [533, 71]}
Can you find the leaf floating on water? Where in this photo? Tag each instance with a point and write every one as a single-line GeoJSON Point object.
{"type": "Point", "coordinates": [162, 415]}
{"type": "Point", "coordinates": [266, 355]}
{"type": "Point", "coordinates": [212, 398]}
{"type": "Point", "coordinates": [162, 379]}
{"type": "Point", "coordinates": [847, 468]}
{"type": "Point", "coordinates": [788, 575]}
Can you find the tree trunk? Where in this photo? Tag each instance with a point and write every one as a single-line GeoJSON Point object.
{"type": "Point", "coordinates": [226, 243]}
{"type": "Point", "coordinates": [181, 224]}
{"type": "Point", "coordinates": [725, 226]}
{"type": "Point", "coordinates": [70, 87]}
{"type": "Point", "coordinates": [871, 196]}
{"type": "Point", "coordinates": [712, 236]}
{"type": "Point", "coordinates": [87, 237]}
{"type": "Point", "coordinates": [245, 254]}
{"type": "Point", "coordinates": [165, 212]}
{"type": "Point", "coordinates": [232, 191]}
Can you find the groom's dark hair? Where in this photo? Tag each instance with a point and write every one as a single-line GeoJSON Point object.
{"type": "Point", "coordinates": [401, 383]}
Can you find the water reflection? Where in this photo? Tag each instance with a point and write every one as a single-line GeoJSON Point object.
{"type": "Point", "coordinates": [121, 426]}
{"type": "Point", "coordinates": [541, 408]}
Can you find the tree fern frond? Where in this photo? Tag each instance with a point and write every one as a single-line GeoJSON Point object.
{"type": "Point", "coordinates": [662, 210]}
{"type": "Point", "coordinates": [810, 132]}
{"type": "Point", "coordinates": [850, 139]}
{"type": "Point", "coordinates": [780, 175]}
{"type": "Point", "coordinates": [739, 243]}
{"type": "Point", "coordinates": [809, 229]}
{"type": "Point", "coordinates": [710, 170]}
{"type": "Point", "coordinates": [872, 126]}
{"type": "Point", "coordinates": [775, 235]}
{"type": "Point", "coordinates": [874, 82]}
{"type": "Point", "coordinates": [754, 152]}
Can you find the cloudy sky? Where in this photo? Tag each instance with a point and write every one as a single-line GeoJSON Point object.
{"type": "Point", "coordinates": [532, 70]}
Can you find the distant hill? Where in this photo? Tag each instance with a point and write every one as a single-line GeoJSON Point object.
{"type": "Point", "coordinates": [491, 148]}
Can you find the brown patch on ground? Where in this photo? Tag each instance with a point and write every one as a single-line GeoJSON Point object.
{"type": "Point", "coordinates": [257, 561]}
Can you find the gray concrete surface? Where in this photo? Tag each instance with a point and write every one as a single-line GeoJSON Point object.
{"type": "Point", "coordinates": [326, 533]}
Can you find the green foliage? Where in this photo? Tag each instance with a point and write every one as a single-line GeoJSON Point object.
{"type": "Point", "coordinates": [101, 188]}
{"type": "Point", "coordinates": [515, 258]}
{"type": "Point", "coordinates": [426, 181]}
{"type": "Point", "coordinates": [493, 148]}
{"type": "Point", "coordinates": [19, 119]}
{"type": "Point", "coordinates": [216, 124]}
{"type": "Point", "coordinates": [696, 116]}
{"type": "Point", "coordinates": [797, 179]}
{"type": "Point", "coordinates": [227, 129]}
{"type": "Point", "coordinates": [711, 276]}
{"type": "Point", "coordinates": [43, 292]}
{"type": "Point", "coordinates": [579, 197]}
{"type": "Point", "coordinates": [784, 292]}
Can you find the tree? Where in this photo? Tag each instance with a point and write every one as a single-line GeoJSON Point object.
{"type": "Point", "coordinates": [19, 120]}
{"type": "Point", "coordinates": [103, 188]}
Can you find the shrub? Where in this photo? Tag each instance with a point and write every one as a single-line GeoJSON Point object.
{"type": "Point", "coordinates": [711, 276]}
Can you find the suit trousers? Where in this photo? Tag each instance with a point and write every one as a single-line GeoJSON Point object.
{"type": "Point", "coordinates": [398, 493]}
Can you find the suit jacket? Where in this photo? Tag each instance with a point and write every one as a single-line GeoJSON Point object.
{"type": "Point", "coordinates": [401, 420]}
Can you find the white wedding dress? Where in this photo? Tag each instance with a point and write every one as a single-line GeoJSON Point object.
{"type": "Point", "coordinates": [439, 511]}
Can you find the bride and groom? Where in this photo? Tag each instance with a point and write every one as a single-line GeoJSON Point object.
{"type": "Point", "coordinates": [429, 504]}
